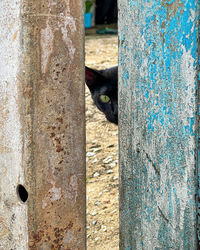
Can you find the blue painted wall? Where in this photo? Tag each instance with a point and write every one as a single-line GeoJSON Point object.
{"type": "Point", "coordinates": [159, 121]}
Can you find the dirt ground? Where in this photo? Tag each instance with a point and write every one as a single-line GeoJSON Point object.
{"type": "Point", "coordinates": [102, 155]}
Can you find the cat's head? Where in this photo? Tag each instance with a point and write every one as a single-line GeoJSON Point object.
{"type": "Point", "coordinates": [103, 87]}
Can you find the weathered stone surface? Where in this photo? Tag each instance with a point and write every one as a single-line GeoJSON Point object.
{"type": "Point", "coordinates": [42, 132]}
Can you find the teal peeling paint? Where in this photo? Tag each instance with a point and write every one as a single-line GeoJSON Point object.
{"type": "Point", "coordinates": [159, 117]}
{"type": "Point", "coordinates": [125, 77]}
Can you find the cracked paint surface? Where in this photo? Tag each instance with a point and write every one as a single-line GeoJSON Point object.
{"type": "Point", "coordinates": [158, 96]}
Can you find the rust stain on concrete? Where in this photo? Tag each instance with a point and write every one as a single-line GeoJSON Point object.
{"type": "Point", "coordinates": [52, 77]}
{"type": "Point", "coordinates": [14, 36]}
{"type": "Point", "coordinates": [3, 227]}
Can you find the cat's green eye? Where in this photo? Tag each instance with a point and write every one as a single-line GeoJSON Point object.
{"type": "Point", "coordinates": [104, 98]}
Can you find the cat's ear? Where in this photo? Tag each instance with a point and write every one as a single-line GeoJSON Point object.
{"type": "Point", "coordinates": [91, 76]}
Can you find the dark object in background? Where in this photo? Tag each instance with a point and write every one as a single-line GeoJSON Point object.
{"type": "Point", "coordinates": [106, 11]}
{"type": "Point", "coordinates": [107, 31]}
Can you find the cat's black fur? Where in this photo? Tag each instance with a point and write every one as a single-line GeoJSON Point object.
{"type": "Point", "coordinates": [104, 82]}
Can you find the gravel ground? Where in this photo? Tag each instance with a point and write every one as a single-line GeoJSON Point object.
{"type": "Point", "coordinates": [102, 155]}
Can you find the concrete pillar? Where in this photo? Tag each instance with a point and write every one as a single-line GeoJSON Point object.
{"type": "Point", "coordinates": [42, 134]}
{"type": "Point", "coordinates": [159, 124]}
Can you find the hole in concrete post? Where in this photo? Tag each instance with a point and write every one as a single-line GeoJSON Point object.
{"type": "Point", "coordinates": [22, 193]}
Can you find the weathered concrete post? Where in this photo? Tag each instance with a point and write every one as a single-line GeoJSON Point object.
{"type": "Point", "coordinates": [42, 138]}
{"type": "Point", "coordinates": [159, 122]}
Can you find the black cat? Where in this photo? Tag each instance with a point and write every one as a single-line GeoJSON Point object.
{"type": "Point", "coordinates": [103, 85]}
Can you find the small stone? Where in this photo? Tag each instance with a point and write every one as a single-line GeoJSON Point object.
{"type": "Point", "coordinates": [93, 213]}
{"type": "Point", "coordinates": [106, 190]}
{"type": "Point", "coordinates": [101, 170]}
{"type": "Point", "coordinates": [90, 154]}
{"type": "Point", "coordinates": [96, 175]}
{"type": "Point", "coordinates": [94, 222]}
{"type": "Point", "coordinates": [94, 141]}
{"type": "Point", "coordinates": [115, 178]}
{"type": "Point", "coordinates": [100, 194]}
{"type": "Point", "coordinates": [112, 165]}
{"type": "Point", "coordinates": [103, 227]}
{"type": "Point", "coordinates": [110, 171]}
{"type": "Point", "coordinates": [95, 160]}
{"type": "Point", "coordinates": [97, 150]}
{"type": "Point", "coordinates": [96, 203]}
{"type": "Point", "coordinates": [114, 211]}
{"type": "Point", "coordinates": [107, 160]}
{"type": "Point", "coordinates": [96, 239]}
